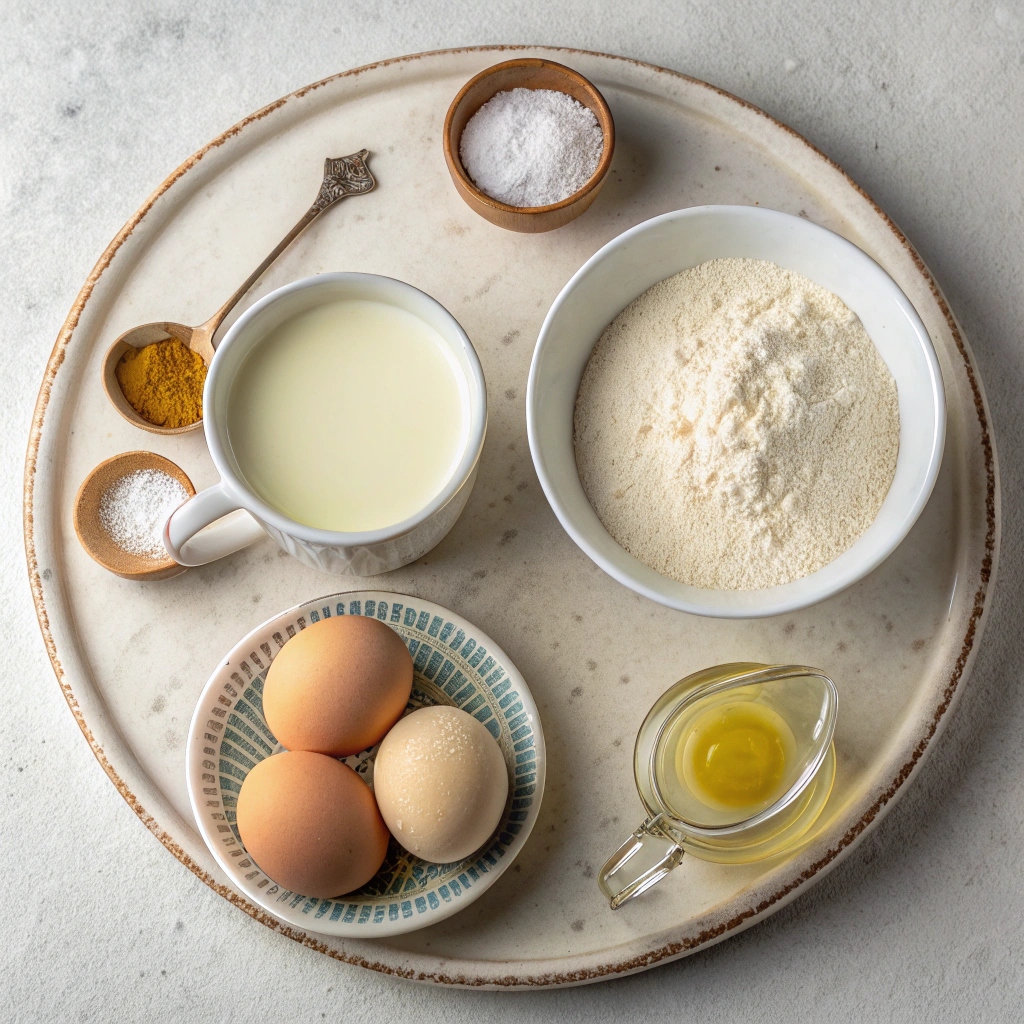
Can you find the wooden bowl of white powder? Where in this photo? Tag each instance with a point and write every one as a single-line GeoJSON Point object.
{"type": "Point", "coordinates": [120, 510]}
{"type": "Point", "coordinates": [528, 144]}
{"type": "Point", "coordinates": [735, 412]}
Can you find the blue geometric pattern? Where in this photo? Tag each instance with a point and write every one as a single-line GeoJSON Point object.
{"type": "Point", "coordinates": [452, 666]}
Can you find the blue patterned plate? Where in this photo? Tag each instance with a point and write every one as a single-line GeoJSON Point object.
{"type": "Point", "coordinates": [455, 664]}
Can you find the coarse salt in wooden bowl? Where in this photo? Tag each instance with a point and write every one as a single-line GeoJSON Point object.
{"type": "Point", "coordinates": [94, 538]}
{"type": "Point", "coordinates": [525, 73]}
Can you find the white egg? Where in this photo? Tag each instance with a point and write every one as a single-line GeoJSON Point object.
{"type": "Point", "coordinates": [441, 783]}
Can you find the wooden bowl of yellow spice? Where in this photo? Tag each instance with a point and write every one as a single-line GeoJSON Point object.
{"type": "Point", "coordinates": [154, 378]}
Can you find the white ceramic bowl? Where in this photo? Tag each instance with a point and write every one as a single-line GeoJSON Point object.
{"type": "Point", "coordinates": [455, 663]}
{"type": "Point", "coordinates": [625, 268]}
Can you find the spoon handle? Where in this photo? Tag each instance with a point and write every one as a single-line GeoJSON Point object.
{"type": "Point", "coordinates": [343, 176]}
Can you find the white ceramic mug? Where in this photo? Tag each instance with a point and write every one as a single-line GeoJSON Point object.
{"type": "Point", "coordinates": [198, 531]}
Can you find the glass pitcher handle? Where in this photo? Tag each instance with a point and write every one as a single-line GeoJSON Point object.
{"type": "Point", "coordinates": [643, 860]}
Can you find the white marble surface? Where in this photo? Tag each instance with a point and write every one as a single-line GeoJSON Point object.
{"type": "Point", "coordinates": [923, 109]}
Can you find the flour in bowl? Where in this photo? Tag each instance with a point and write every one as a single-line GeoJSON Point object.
{"type": "Point", "coordinates": [735, 427]}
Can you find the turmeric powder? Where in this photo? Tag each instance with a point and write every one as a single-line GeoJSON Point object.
{"type": "Point", "coordinates": [163, 382]}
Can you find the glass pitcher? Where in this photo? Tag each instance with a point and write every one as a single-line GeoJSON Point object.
{"type": "Point", "coordinates": [679, 820]}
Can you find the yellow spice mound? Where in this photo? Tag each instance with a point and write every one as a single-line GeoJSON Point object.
{"type": "Point", "coordinates": [163, 383]}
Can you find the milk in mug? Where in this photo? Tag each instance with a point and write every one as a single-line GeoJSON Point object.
{"type": "Point", "coordinates": [351, 416]}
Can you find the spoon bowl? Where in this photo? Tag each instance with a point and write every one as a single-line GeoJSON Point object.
{"type": "Point", "coordinates": [94, 538]}
{"type": "Point", "coordinates": [195, 338]}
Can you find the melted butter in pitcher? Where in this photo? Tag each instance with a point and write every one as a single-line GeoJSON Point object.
{"type": "Point", "coordinates": [736, 757]}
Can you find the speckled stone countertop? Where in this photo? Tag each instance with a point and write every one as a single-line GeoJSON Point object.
{"type": "Point", "coordinates": [926, 919]}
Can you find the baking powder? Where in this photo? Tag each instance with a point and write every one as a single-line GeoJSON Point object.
{"type": "Point", "coordinates": [531, 147]}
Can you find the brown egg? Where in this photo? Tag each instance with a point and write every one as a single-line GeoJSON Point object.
{"type": "Point", "coordinates": [338, 686]}
{"type": "Point", "coordinates": [311, 824]}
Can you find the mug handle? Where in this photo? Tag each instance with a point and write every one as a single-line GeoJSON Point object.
{"type": "Point", "coordinates": [643, 860]}
{"type": "Point", "coordinates": [188, 546]}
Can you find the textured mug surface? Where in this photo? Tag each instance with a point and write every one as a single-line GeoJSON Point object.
{"type": "Point", "coordinates": [455, 664]}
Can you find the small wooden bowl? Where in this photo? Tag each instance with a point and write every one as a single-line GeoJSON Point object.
{"type": "Point", "coordinates": [525, 73]}
{"type": "Point", "coordinates": [97, 542]}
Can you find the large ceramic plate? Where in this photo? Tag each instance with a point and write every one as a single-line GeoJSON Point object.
{"type": "Point", "coordinates": [133, 658]}
{"type": "Point", "coordinates": [453, 663]}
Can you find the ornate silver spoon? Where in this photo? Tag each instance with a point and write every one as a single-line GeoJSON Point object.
{"type": "Point", "coordinates": [344, 176]}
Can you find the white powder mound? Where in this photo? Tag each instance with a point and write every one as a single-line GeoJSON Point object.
{"type": "Point", "coordinates": [531, 147]}
{"type": "Point", "coordinates": [735, 427]}
{"type": "Point", "coordinates": [134, 508]}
